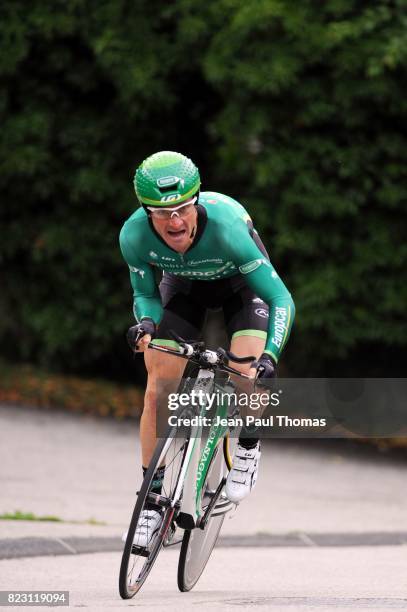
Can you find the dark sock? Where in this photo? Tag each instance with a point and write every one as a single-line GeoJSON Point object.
{"type": "Point", "coordinates": [156, 484]}
{"type": "Point", "coordinates": [248, 443]}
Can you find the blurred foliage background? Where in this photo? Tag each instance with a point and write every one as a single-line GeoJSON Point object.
{"type": "Point", "coordinates": [298, 110]}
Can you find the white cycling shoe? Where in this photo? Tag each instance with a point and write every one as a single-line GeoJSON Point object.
{"type": "Point", "coordinates": [243, 475]}
{"type": "Point", "coordinates": [148, 525]}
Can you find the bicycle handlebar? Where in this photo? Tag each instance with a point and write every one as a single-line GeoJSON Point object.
{"type": "Point", "coordinates": [237, 359]}
{"type": "Point", "coordinates": [197, 352]}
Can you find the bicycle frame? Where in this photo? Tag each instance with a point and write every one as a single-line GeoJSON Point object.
{"type": "Point", "coordinates": [196, 464]}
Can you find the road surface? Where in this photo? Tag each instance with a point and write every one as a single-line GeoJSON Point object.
{"type": "Point", "coordinates": [325, 528]}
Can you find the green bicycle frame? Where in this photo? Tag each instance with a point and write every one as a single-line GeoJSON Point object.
{"type": "Point", "coordinates": [197, 464]}
{"type": "Point", "coordinates": [216, 433]}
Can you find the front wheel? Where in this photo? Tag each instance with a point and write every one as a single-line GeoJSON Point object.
{"type": "Point", "coordinates": [137, 561]}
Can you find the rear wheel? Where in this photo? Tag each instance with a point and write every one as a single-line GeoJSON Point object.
{"type": "Point", "coordinates": [197, 544]}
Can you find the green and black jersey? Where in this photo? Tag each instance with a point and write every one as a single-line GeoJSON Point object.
{"type": "Point", "coordinates": [224, 246]}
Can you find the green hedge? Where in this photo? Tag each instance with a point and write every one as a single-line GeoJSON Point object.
{"type": "Point", "coordinates": [34, 387]}
{"type": "Point", "coordinates": [296, 109]}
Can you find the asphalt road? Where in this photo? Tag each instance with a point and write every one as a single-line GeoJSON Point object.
{"type": "Point", "coordinates": [235, 579]}
{"type": "Point", "coordinates": [325, 528]}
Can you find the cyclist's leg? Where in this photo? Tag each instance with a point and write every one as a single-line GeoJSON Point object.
{"type": "Point", "coordinates": [164, 372]}
{"type": "Point", "coordinates": [243, 346]}
{"type": "Point", "coordinates": [159, 367]}
{"type": "Point", "coordinates": [247, 345]}
{"type": "Point", "coordinates": [246, 318]}
{"type": "Point", "coordinates": [185, 317]}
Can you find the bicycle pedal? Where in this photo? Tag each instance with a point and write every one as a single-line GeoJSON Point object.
{"type": "Point", "coordinates": [140, 551]}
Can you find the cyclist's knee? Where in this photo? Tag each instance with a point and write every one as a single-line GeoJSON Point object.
{"type": "Point", "coordinates": [164, 372]}
{"type": "Point", "coordinates": [162, 365]}
{"type": "Point", "coordinates": [243, 346]}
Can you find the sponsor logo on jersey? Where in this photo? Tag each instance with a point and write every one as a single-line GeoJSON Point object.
{"type": "Point", "coordinates": [137, 271]}
{"type": "Point", "coordinates": [168, 266]}
{"type": "Point", "coordinates": [280, 326]}
{"type": "Point", "coordinates": [214, 273]}
{"type": "Point", "coordinates": [251, 266]}
{"type": "Point", "coordinates": [261, 312]}
{"type": "Point", "coordinates": [198, 262]}
{"type": "Point", "coordinates": [153, 255]}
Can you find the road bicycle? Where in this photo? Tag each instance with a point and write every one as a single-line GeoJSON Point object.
{"type": "Point", "coordinates": [192, 497]}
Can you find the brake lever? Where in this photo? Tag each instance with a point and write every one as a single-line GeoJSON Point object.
{"type": "Point", "coordinates": [137, 339]}
{"type": "Point", "coordinates": [136, 343]}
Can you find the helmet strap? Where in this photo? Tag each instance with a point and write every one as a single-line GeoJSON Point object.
{"type": "Point", "coordinates": [196, 225]}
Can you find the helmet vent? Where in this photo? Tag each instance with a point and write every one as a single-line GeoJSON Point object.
{"type": "Point", "coordinates": [167, 183]}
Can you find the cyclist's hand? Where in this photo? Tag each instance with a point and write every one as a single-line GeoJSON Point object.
{"type": "Point", "coordinates": [265, 368]}
{"type": "Point", "coordinates": [143, 343]}
{"type": "Point", "coordinates": [140, 335]}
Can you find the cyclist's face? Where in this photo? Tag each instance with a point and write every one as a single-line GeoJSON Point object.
{"type": "Point", "coordinates": [176, 228]}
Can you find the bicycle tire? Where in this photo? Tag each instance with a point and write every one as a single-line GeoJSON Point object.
{"type": "Point", "coordinates": [197, 544]}
{"type": "Point", "coordinates": [127, 591]}
{"type": "Point", "coordinates": [226, 452]}
{"type": "Point", "coordinates": [131, 581]}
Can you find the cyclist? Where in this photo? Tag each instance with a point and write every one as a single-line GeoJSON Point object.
{"type": "Point", "coordinates": [211, 257]}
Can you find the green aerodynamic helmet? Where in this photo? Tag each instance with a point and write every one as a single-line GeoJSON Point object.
{"type": "Point", "coordinates": [166, 178]}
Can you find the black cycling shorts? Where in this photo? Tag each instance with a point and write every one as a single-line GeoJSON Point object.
{"type": "Point", "coordinates": [186, 302]}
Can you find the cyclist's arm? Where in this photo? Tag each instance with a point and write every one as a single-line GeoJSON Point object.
{"type": "Point", "coordinates": [264, 281]}
{"type": "Point", "coordinates": [147, 300]}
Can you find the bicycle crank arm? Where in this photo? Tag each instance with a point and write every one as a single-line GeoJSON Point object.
{"type": "Point", "coordinates": [164, 502]}
{"type": "Point", "coordinates": [204, 519]}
